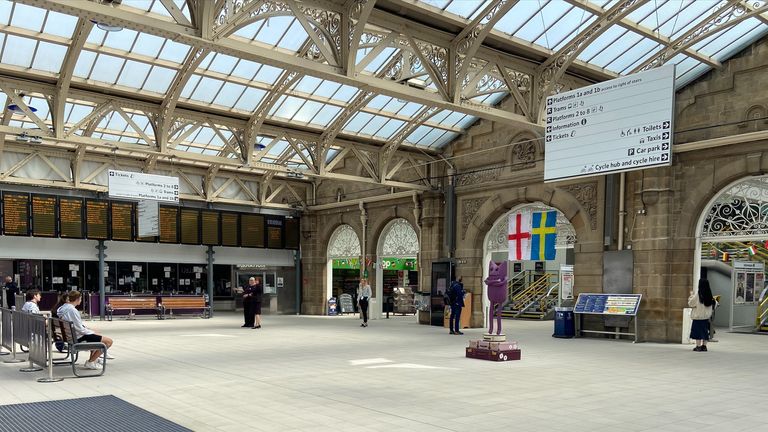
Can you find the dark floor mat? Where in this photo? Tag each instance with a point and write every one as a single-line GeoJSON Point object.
{"type": "Point", "coordinates": [100, 413]}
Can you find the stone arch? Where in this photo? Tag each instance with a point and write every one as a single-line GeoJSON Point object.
{"type": "Point", "coordinates": [502, 202]}
{"type": "Point", "coordinates": [394, 223]}
{"type": "Point", "coordinates": [346, 234]}
{"type": "Point", "coordinates": [377, 227]}
{"type": "Point", "coordinates": [327, 232]}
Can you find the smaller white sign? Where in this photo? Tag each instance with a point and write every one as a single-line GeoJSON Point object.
{"type": "Point", "coordinates": [197, 269]}
{"type": "Point", "coordinates": [74, 273]}
{"type": "Point", "coordinates": [140, 186]}
{"type": "Point", "coordinates": [74, 267]}
{"type": "Point", "coordinates": [58, 280]}
{"type": "Point", "coordinates": [167, 274]}
{"type": "Point", "coordinates": [197, 275]}
{"type": "Point", "coordinates": [166, 269]}
{"type": "Point", "coordinates": [154, 281]}
{"type": "Point", "coordinates": [137, 268]}
{"type": "Point", "coordinates": [136, 275]}
{"type": "Point", "coordinates": [279, 282]}
{"type": "Point", "coordinates": [121, 281]}
{"type": "Point", "coordinates": [188, 282]}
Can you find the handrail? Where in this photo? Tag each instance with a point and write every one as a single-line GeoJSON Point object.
{"type": "Point", "coordinates": [532, 290]}
{"type": "Point", "coordinates": [762, 312]}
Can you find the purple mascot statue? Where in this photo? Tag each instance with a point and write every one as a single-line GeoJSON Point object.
{"type": "Point", "coordinates": [497, 292]}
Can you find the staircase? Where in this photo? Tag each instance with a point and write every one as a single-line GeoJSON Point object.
{"type": "Point", "coordinates": [532, 296]}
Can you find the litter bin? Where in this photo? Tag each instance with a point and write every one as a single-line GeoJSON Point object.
{"type": "Point", "coordinates": [564, 325]}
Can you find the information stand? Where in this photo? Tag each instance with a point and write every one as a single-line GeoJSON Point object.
{"type": "Point", "coordinates": [625, 305]}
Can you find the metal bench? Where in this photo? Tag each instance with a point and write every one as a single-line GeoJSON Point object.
{"type": "Point", "coordinates": [130, 304]}
{"type": "Point", "coordinates": [68, 335]}
{"type": "Point", "coordinates": [171, 304]}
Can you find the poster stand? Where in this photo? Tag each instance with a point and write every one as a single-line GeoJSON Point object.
{"type": "Point", "coordinates": [608, 305]}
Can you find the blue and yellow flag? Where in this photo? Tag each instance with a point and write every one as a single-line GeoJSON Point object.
{"type": "Point", "coordinates": [543, 235]}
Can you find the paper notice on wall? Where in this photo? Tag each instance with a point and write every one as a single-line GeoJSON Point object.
{"type": "Point", "coordinates": [74, 267]}
{"type": "Point", "coordinates": [58, 280]}
{"type": "Point", "coordinates": [136, 275]}
{"type": "Point", "coordinates": [121, 281]}
{"type": "Point", "coordinates": [74, 274]}
{"type": "Point", "coordinates": [188, 281]}
{"type": "Point", "coordinates": [167, 274]}
{"type": "Point", "coordinates": [106, 273]}
{"type": "Point", "coordinates": [166, 269]}
{"type": "Point", "coordinates": [137, 268]}
{"type": "Point", "coordinates": [279, 282]}
{"type": "Point", "coordinates": [197, 269]}
{"type": "Point", "coordinates": [154, 281]}
{"type": "Point", "coordinates": [197, 275]}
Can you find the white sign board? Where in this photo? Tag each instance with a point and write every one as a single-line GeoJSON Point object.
{"type": "Point", "coordinates": [149, 218]}
{"type": "Point", "coordinates": [619, 125]}
{"type": "Point", "coordinates": [139, 186]}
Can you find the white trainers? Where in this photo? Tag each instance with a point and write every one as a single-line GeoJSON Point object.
{"type": "Point", "coordinates": [92, 365]}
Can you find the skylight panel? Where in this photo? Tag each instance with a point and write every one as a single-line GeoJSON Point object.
{"type": "Point", "coordinates": [190, 86]}
{"type": "Point", "coordinates": [357, 122]}
{"type": "Point", "coordinates": [378, 62]}
{"type": "Point", "coordinates": [410, 108]}
{"type": "Point", "coordinates": [274, 29]}
{"type": "Point", "coordinates": [379, 102]}
{"type": "Point", "coordinates": [418, 134]}
{"type": "Point", "coordinates": [122, 40]}
{"type": "Point", "coordinates": [431, 138]}
{"type": "Point", "coordinates": [28, 17]}
{"type": "Point", "coordinates": [327, 89]}
{"type": "Point", "coordinates": [654, 48]}
{"type": "Point", "coordinates": [374, 125]}
{"type": "Point", "coordinates": [389, 129]}
{"type": "Point", "coordinates": [106, 68]}
{"type": "Point", "coordinates": [141, 121]}
{"type": "Point", "coordinates": [134, 74]}
{"type": "Point", "coordinates": [60, 24]}
{"type": "Point", "coordinates": [608, 38]}
{"type": "Point", "coordinates": [160, 79]}
{"type": "Point", "coordinates": [49, 57]}
{"type": "Point", "coordinates": [204, 135]}
{"type": "Point", "coordinates": [250, 99]}
{"type": "Point", "coordinates": [278, 148]}
{"type": "Point", "coordinates": [331, 154]}
{"type": "Point", "coordinates": [394, 105]}
{"type": "Point", "coordinates": [567, 28]}
{"type": "Point", "coordinates": [617, 50]}
{"type": "Point", "coordinates": [691, 13]}
{"type": "Point", "coordinates": [549, 15]}
{"type": "Point", "coordinates": [229, 94]}
{"type": "Point", "coordinates": [641, 49]}
{"type": "Point", "coordinates": [466, 9]}
{"type": "Point", "coordinates": [643, 11]}
{"type": "Point", "coordinates": [222, 63]}
{"type": "Point", "coordinates": [18, 51]}
{"type": "Point", "coordinates": [158, 8]}
{"type": "Point", "coordinates": [715, 43]}
{"type": "Point", "coordinates": [444, 139]}
{"type": "Point", "coordinates": [520, 14]}
{"type": "Point", "coordinates": [174, 51]}
{"type": "Point", "coordinates": [452, 119]}
{"type": "Point", "coordinates": [660, 18]}
{"type": "Point", "coordinates": [268, 74]}
{"type": "Point", "coordinates": [685, 65]}
{"type": "Point", "coordinates": [440, 4]}
{"type": "Point", "coordinates": [206, 89]}
{"type": "Point", "coordinates": [288, 108]}
{"type": "Point", "coordinates": [440, 116]}
{"type": "Point", "coordinates": [326, 115]}
{"type": "Point", "coordinates": [148, 45]}
{"type": "Point", "coordinates": [308, 84]}
{"type": "Point", "coordinates": [345, 93]}
{"type": "Point", "coordinates": [116, 122]}
{"type": "Point", "coordinates": [246, 69]}
{"type": "Point", "coordinates": [466, 122]}
{"type": "Point", "coordinates": [77, 112]}
{"type": "Point", "coordinates": [96, 36]}
{"type": "Point", "coordinates": [5, 12]}
{"type": "Point", "coordinates": [294, 37]}
{"type": "Point", "coordinates": [307, 112]}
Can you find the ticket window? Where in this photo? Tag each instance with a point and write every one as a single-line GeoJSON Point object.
{"type": "Point", "coordinates": [67, 275]}
{"type": "Point", "coordinates": [193, 278]}
{"type": "Point", "coordinates": [131, 277]}
{"type": "Point", "coordinates": [163, 277]}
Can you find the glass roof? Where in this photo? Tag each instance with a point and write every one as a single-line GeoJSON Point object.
{"type": "Point", "coordinates": [36, 41]}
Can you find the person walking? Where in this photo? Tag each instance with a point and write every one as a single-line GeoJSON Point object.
{"type": "Point", "coordinates": [11, 289]}
{"type": "Point", "coordinates": [702, 303]}
{"type": "Point", "coordinates": [456, 297]}
{"type": "Point", "coordinates": [363, 297]}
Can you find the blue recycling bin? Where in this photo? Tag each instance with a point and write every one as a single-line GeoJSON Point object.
{"type": "Point", "coordinates": [564, 324]}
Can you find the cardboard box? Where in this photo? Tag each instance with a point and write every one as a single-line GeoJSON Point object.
{"type": "Point", "coordinates": [474, 343]}
{"type": "Point", "coordinates": [503, 346]}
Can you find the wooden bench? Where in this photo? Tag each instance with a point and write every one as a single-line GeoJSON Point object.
{"type": "Point", "coordinates": [188, 304]}
{"type": "Point", "coordinates": [130, 304]}
{"type": "Point", "coordinates": [73, 346]}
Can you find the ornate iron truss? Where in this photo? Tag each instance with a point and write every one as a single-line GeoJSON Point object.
{"type": "Point", "coordinates": [452, 69]}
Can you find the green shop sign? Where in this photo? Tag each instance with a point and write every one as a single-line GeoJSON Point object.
{"type": "Point", "coordinates": [346, 263]}
{"type": "Point", "coordinates": [399, 264]}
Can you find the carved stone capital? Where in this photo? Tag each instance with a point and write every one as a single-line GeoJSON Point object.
{"type": "Point", "coordinates": [469, 208]}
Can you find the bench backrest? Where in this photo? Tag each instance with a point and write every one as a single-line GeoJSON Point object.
{"type": "Point", "coordinates": [133, 303]}
{"type": "Point", "coordinates": [183, 302]}
{"type": "Point", "coordinates": [66, 330]}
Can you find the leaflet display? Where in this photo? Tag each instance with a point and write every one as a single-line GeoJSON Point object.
{"type": "Point", "coordinates": [210, 222]}
{"type": "Point", "coordinates": [71, 217]}
{"type": "Point", "coordinates": [252, 230]}
{"type": "Point", "coordinates": [122, 221]}
{"type": "Point", "coordinates": [618, 125]}
{"type": "Point", "coordinates": [97, 220]}
{"type": "Point", "coordinates": [169, 225]}
{"type": "Point", "coordinates": [15, 214]}
{"type": "Point", "coordinates": [44, 216]}
{"type": "Point", "coordinates": [230, 225]}
{"type": "Point", "coordinates": [190, 226]}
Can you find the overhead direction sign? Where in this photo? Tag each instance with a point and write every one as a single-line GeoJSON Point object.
{"type": "Point", "coordinates": [618, 125]}
{"type": "Point", "coordinates": [140, 186]}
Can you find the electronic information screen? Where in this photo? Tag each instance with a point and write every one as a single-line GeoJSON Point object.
{"type": "Point", "coordinates": [16, 214]}
{"type": "Point", "coordinates": [169, 224]}
{"type": "Point", "coordinates": [44, 216]}
{"type": "Point", "coordinates": [252, 230]}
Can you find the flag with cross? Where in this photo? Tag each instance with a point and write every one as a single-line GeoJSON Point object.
{"type": "Point", "coordinates": [519, 236]}
{"type": "Point", "coordinates": [543, 235]}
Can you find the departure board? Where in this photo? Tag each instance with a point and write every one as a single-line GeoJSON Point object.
{"type": "Point", "coordinates": [16, 214]}
{"type": "Point", "coordinates": [71, 217]}
{"type": "Point", "coordinates": [122, 221]}
{"type": "Point", "coordinates": [274, 233]}
{"type": "Point", "coordinates": [252, 230]}
{"type": "Point", "coordinates": [190, 226]}
{"type": "Point", "coordinates": [169, 224]}
{"type": "Point", "coordinates": [229, 228]}
{"type": "Point", "coordinates": [97, 219]}
{"type": "Point", "coordinates": [43, 216]}
{"type": "Point", "coordinates": [292, 233]}
{"type": "Point", "coordinates": [210, 223]}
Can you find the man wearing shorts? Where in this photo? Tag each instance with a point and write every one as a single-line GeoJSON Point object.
{"type": "Point", "coordinates": [68, 312]}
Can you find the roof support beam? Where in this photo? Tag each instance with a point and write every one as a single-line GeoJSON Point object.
{"type": "Point", "coordinates": [127, 19]}
{"type": "Point", "coordinates": [82, 30]}
{"type": "Point", "coordinates": [175, 12]}
{"type": "Point", "coordinates": [389, 150]}
{"type": "Point", "coordinates": [360, 11]}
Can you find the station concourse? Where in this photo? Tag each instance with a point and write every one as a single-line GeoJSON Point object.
{"type": "Point", "coordinates": [157, 154]}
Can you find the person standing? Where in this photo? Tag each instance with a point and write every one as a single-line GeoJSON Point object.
{"type": "Point", "coordinates": [363, 297]}
{"type": "Point", "coordinates": [33, 299]}
{"type": "Point", "coordinates": [11, 289]}
{"type": "Point", "coordinates": [258, 294]}
{"type": "Point", "coordinates": [702, 303]}
{"type": "Point", "coordinates": [248, 302]}
{"type": "Point", "coordinates": [456, 296]}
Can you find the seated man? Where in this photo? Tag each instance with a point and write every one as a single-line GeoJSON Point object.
{"type": "Point", "coordinates": [33, 298]}
{"type": "Point", "coordinates": [68, 312]}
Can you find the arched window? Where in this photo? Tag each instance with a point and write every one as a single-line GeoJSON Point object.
{"type": "Point", "coordinates": [400, 239]}
{"type": "Point", "coordinates": [741, 211]}
{"type": "Point", "coordinates": [344, 243]}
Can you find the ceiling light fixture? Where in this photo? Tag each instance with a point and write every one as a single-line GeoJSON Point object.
{"type": "Point", "coordinates": [107, 27]}
{"type": "Point", "coordinates": [16, 108]}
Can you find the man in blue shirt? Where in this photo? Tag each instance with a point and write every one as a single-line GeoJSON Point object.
{"type": "Point", "coordinates": [456, 295]}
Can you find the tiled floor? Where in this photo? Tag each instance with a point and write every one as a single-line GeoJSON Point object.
{"type": "Point", "coordinates": [327, 373]}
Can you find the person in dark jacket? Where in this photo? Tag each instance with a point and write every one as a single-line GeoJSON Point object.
{"type": "Point", "coordinates": [252, 295]}
{"type": "Point", "coordinates": [456, 296]}
{"type": "Point", "coordinates": [11, 289]}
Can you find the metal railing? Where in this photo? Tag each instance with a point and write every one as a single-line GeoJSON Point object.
{"type": "Point", "coordinates": [762, 313]}
{"type": "Point", "coordinates": [32, 331]}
